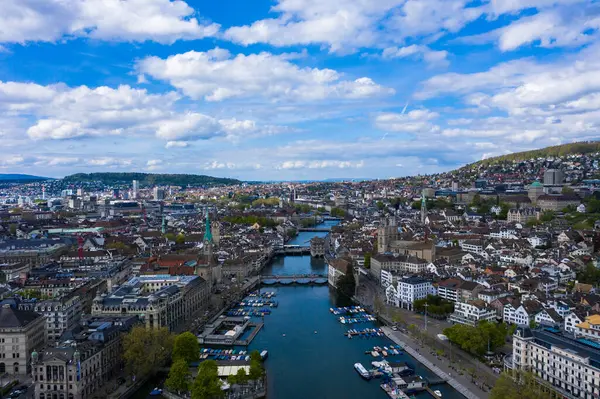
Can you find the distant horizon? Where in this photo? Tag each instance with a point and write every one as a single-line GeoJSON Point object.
{"type": "Point", "coordinates": [292, 89]}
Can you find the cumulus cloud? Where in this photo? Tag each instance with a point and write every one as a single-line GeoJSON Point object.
{"type": "Point", "coordinates": [345, 26]}
{"type": "Point", "coordinates": [217, 75]}
{"type": "Point", "coordinates": [163, 21]}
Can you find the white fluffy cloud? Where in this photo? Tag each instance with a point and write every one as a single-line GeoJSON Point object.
{"type": "Point", "coordinates": [163, 21]}
{"type": "Point", "coordinates": [58, 112]}
{"type": "Point", "coordinates": [217, 75]}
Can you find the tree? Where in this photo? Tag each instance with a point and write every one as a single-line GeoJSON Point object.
{"type": "Point", "coordinates": [186, 347]}
{"type": "Point", "coordinates": [178, 376]}
{"type": "Point", "coordinates": [240, 378]}
{"type": "Point", "coordinates": [338, 212]}
{"type": "Point", "coordinates": [207, 384]}
{"type": "Point", "coordinates": [180, 239]}
{"type": "Point", "coordinates": [256, 369]}
{"type": "Point", "coordinates": [170, 236]}
{"type": "Point", "coordinates": [380, 205]}
{"type": "Point", "coordinates": [547, 216]}
{"type": "Point", "coordinates": [12, 229]}
{"type": "Point", "coordinates": [522, 386]}
{"type": "Point", "coordinates": [589, 275]}
{"type": "Point", "coordinates": [146, 350]}
{"type": "Point", "coordinates": [347, 284]}
{"type": "Point", "coordinates": [367, 263]}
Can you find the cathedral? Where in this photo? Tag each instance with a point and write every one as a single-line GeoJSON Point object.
{"type": "Point", "coordinates": [207, 267]}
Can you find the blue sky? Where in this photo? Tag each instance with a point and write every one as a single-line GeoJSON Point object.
{"type": "Point", "coordinates": [291, 89]}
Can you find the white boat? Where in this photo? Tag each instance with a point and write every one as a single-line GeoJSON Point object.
{"type": "Point", "coordinates": [437, 393]}
{"type": "Point", "coordinates": [362, 371]}
{"type": "Point", "coordinates": [264, 354]}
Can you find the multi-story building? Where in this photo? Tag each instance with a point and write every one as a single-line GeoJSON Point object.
{"type": "Point", "coordinates": [409, 290]}
{"type": "Point", "coordinates": [77, 367]}
{"type": "Point", "coordinates": [21, 331]}
{"type": "Point", "coordinates": [397, 264]}
{"type": "Point", "coordinates": [473, 246]}
{"type": "Point", "coordinates": [472, 312]}
{"type": "Point", "coordinates": [317, 247]}
{"type": "Point", "coordinates": [34, 252]}
{"type": "Point", "coordinates": [61, 315]}
{"type": "Point", "coordinates": [158, 300]}
{"type": "Point", "coordinates": [570, 366]}
{"type": "Point", "coordinates": [557, 202]}
{"type": "Point", "coordinates": [522, 215]}
{"type": "Point", "coordinates": [336, 269]}
{"type": "Point", "coordinates": [589, 328]}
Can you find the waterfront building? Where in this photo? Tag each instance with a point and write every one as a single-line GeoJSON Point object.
{"type": "Point", "coordinates": [21, 331]}
{"type": "Point", "coordinates": [472, 312]}
{"type": "Point", "coordinates": [336, 269]}
{"type": "Point", "coordinates": [158, 300]}
{"type": "Point", "coordinates": [408, 290]}
{"type": "Point", "coordinates": [396, 264]}
{"type": "Point", "coordinates": [317, 247]}
{"type": "Point", "coordinates": [570, 366]}
{"type": "Point", "coordinates": [206, 266]}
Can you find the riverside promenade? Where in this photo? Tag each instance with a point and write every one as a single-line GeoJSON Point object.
{"type": "Point", "coordinates": [394, 336]}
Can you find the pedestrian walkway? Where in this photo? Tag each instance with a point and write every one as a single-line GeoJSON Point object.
{"type": "Point", "coordinates": [439, 372]}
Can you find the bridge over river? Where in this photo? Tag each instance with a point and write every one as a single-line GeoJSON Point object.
{"type": "Point", "coordinates": [301, 279]}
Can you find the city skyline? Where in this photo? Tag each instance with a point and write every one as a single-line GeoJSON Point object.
{"type": "Point", "coordinates": [292, 89]}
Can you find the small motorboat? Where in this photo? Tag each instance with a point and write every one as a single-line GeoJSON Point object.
{"type": "Point", "coordinates": [156, 392]}
{"type": "Point", "coordinates": [437, 393]}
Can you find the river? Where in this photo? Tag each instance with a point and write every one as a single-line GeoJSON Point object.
{"type": "Point", "coordinates": [309, 357]}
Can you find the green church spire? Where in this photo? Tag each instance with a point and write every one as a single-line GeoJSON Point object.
{"type": "Point", "coordinates": [208, 234]}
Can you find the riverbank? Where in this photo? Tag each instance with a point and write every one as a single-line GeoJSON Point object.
{"type": "Point", "coordinates": [408, 344]}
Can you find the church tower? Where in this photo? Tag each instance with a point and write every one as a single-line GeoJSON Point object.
{"type": "Point", "coordinates": [208, 239]}
{"type": "Point", "coordinates": [423, 208]}
{"type": "Point", "coordinates": [387, 233]}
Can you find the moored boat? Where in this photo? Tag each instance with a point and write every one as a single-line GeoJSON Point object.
{"type": "Point", "coordinates": [362, 371]}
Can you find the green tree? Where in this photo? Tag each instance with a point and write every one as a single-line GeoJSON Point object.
{"type": "Point", "coordinates": [367, 263]}
{"type": "Point", "coordinates": [12, 229]}
{"type": "Point", "coordinates": [380, 205]}
{"type": "Point", "coordinates": [589, 275]}
{"type": "Point", "coordinates": [170, 236]}
{"type": "Point", "coordinates": [146, 350]}
{"type": "Point", "coordinates": [240, 378]}
{"type": "Point", "coordinates": [178, 376]}
{"type": "Point", "coordinates": [338, 213]}
{"type": "Point", "coordinates": [180, 239]}
{"type": "Point", "coordinates": [186, 347]}
{"type": "Point", "coordinates": [522, 386]}
{"type": "Point", "coordinates": [207, 384]}
{"type": "Point", "coordinates": [347, 283]}
{"type": "Point", "coordinates": [547, 216]}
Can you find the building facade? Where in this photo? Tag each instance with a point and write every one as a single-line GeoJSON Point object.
{"type": "Point", "coordinates": [570, 366]}
{"type": "Point", "coordinates": [21, 331]}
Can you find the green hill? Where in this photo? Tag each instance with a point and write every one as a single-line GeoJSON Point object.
{"type": "Point", "coordinates": [151, 179]}
{"type": "Point", "coordinates": [584, 147]}
{"type": "Point", "coordinates": [19, 178]}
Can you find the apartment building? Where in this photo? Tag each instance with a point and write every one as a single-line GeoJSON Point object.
{"type": "Point", "coordinates": [21, 331]}
{"type": "Point", "coordinates": [570, 366]}
{"type": "Point", "coordinates": [472, 312]}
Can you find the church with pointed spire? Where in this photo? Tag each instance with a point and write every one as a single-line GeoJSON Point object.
{"type": "Point", "coordinates": [207, 267]}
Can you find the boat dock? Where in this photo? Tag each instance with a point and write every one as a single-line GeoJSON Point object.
{"type": "Point", "coordinates": [442, 375]}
